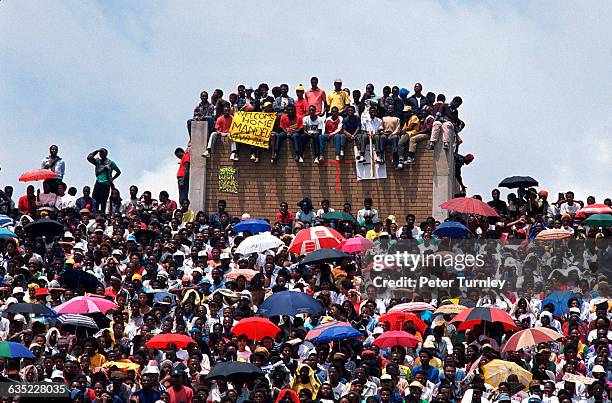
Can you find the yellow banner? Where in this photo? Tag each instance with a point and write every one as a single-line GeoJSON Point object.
{"type": "Point", "coordinates": [252, 128]}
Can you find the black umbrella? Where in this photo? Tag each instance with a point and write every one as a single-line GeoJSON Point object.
{"type": "Point", "coordinates": [235, 371]}
{"type": "Point", "coordinates": [518, 182]}
{"type": "Point", "coordinates": [36, 309]}
{"type": "Point", "coordinates": [78, 279]}
{"type": "Point", "coordinates": [322, 255]}
{"type": "Point", "coordinates": [44, 227]}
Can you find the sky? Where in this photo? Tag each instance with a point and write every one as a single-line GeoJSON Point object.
{"type": "Point", "coordinates": [535, 77]}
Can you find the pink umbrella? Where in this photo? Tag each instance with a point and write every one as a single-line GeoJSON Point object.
{"type": "Point", "coordinates": [81, 305]}
{"type": "Point", "coordinates": [412, 306]}
{"type": "Point", "coordinates": [396, 338]}
{"type": "Point", "coordinates": [356, 245]}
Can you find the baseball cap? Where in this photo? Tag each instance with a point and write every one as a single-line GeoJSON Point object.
{"type": "Point", "coordinates": [598, 369]}
{"type": "Point", "coordinates": [177, 372]}
{"type": "Point", "coordinates": [383, 234]}
{"type": "Point", "coordinates": [407, 108]}
{"type": "Point", "coordinates": [225, 256]}
{"type": "Point", "coordinates": [245, 216]}
{"type": "Point", "coordinates": [178, 253]}
{"type": "Point", "coordinates": [267, 103]}
{"type": "Point", "coordinates": [300, 88]}
{"type": "Point", "coordinates": [131, 238]}
{"type": "Point", "coordinates": [202, 253]}
{"type": "Point", "coordinates": [117, 252]}
{"type": "Point", "coordinates": [378, 330]}
{"type": "Point", "coordinates": [19, 318]}
{"type": "Point", "coordinates": [386, 377]}
{"type": "Point", "coordinates": [18, 290]}
{"type": "Point", "coordinates": [57, 374]}
{"type": "Point", "coordinates": [416, 384]}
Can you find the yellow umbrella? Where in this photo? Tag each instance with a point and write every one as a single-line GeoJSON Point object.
{"type": "Point", "coordinates": [497, 371]}
{"type": "Point", "coordinates": [122, 365]}
{"type": "Point", "coordinates": [450, 309]}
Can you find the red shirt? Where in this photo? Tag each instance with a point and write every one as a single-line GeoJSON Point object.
{"type": "Point", "coordinates": [332, 125]}
{"type": "Point", "coordinates": [316, 98]}
{"type": "Point", "coordinates": [285, 219]}
{"type": "Point", "coordinates": [291, 125]}
{"type": "Point", "coordinates": [223, 124]}
{"type": "Point", "coordinates": [26, 205]}
{"type": "Point", "coordinates": [185, 160]}
{"type": "Point", "coordinates": [301, 108]}
{"type": "Point", "coordinates": [183, 395]}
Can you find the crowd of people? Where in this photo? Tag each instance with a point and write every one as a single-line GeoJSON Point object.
{"type": "Point", "coordinates": [171, 270]}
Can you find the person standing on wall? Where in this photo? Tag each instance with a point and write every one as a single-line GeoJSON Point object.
{"type": "Point", "coordinates": [182, 175]}
{"type": "Point", "coordinates": [106, 173]}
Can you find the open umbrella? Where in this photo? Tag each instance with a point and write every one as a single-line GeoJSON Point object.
{"type": "Point", "coordinates": [123, 365]}
{"type": "Point", "coordinates": [6, 233]}
{"type": "Point", "coordinates": [332, 331]}
{"type": "Point", "coordinates": [597, 208]}
{"type": "Point", "coordinates": [469, 205]}
{"type": "Point", "coordinates": [338, 216]}
{"type": "Point", "coordinates": [37, 175]}
{"type": "Point", "coordinates": [163, 296]}
{"type": "Point", "coordinates": [289, 303]}
{"type": "Point", "coordinates": [560, 299]}
{"type": "Point", "coordinates": [497, 371]}
{"type": "Point", "coordinates": [474, 316]}
{"type": "Point", "coordinates": [451, 229]}
{"type": "Point", "coordinates": [248, 273]}
{"type": "Point", "coordinates": [77, 279]}
{"type": "Point", "coordinates": [397, 320]}
{"type": "Point", "coordinates": [412, 307]}
{"type": "Point", "coordinates": [254, 226]}
{"type": "Point", "coordinates": [258, 244]}
{"type": "Point", "coordinates": [530, 337]}
{"type": "Point", "coordinates": [78, 324]}
{"type": "Point", "coordinates": [313, 238]}
{"type": "Point", "coordinates": [450, 309]}
{"type": "Point", "coordinates": [356, 245]}
{"type": "Point", "coordinates": [255, 328]}
{"type": "Point", "coordinates": [35, 309]}
{"type": "Point", "coordinates": [235, 371]}
{"type": "Point", "coordinates": [44, 227]}
{"type": "Point", "coordinates": [396, 338]}
{"type": "Point", "coordinates": [513, 182]}
{"type": "Point", "coordinates": [10, 349]}
{"type": "Point", "coordinates": [599, 220]}
{"type": "Point", "coordinates": [86, 305]}
{"type": "Point", "coordinates": [554, 234]}
{"type": "Point", "coordinates": [163, 340]}
{"type": "Point", "coordinates": [5, 220]}
{"type": "Point", "coordinates": [323, 255]}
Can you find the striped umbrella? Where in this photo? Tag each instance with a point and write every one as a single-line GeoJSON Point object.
{"type": "Point", "coordinates": [553, 234]}
{"type": "Point", "coordinates": [498, 371]}
{"type": "Point", "coordinates": [9, 349]}
{"type": "Point", "coordinates": [474, 316]}
{"type": "Point", "coordinates": [73, 319]}
{"type": "Point", "coordinates": [412, 306]}
{"type": "Point", "coordinates": [5, 220]}
{"type": "Point", "coordinates": [314, 238]}
{"type": "Point", "coordinates": [530, 337]}
{"type": "Point", "coordinates": [597, 208]}
{"type": "Point", "coordinates": [248, 273]}
{"type": "Point", "coordinates": [451, 309]}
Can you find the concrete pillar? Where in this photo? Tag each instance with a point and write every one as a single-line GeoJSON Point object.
{"type": "Point", "coordinates": [197, 172]}
{"type": "Point", "coordinates": [443, 179]}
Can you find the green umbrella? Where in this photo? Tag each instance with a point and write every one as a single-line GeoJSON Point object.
{"type": "Point", "coordinates": [599, 220]}
{"type": "Point", "coordinates": [338, 215]}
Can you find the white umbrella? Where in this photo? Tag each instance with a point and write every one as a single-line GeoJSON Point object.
{"type": "Point", "coordinates": [258, 244]}
{"type": "Point", "coordinates": [77, 320]}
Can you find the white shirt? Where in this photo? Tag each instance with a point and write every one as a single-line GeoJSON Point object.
{"type": "Point", "coordinates": [369, 125]}
{"type": "Point", "coordinates": [311, 126]}
{"type": "Point", "coordinates": [566, 208]}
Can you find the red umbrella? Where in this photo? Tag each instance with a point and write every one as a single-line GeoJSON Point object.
{"type": "Point", "coordinates": [165, 339]}
{"type": "Point", "coordinates": [398, 320]}
{"type": "Point", "coordinates": [356, 245]}
{"type": "Point", "coordinates": [37, 175]}
{"type": "Point", "coordinates": [530, 337]}
{"type": "Point", "coordinates": [469, 205]}
{"type": "Point", "coordinates": [314, 238]}
{"type": "Point", "coordinates": [474, 316]}
{"type": "Point", "coordinates": [596, 208]}
{"type": "Point", "coordinates": [255, 328]}
{"type": "Point", "coordinates": [396, 338]}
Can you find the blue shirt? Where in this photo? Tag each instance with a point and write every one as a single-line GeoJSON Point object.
{"type": "Point", "coordinates": [147, 397]}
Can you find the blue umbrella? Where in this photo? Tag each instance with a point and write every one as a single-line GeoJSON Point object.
{"type": "Point", "coordinates": [254, 226]}
{"type": "Point", "coordinates": [559, 299]}
{"type": "Point", "coordinates": [6, 233]}
{"type": "Point", "coordinates": [333, 331]}
{"type": "Point", "coordinates": [289, 303]}
{"type": "Point", "coordinates": [451, 229]}
{"type": "Point", "coordinates": [10, 349]}
{"type": "Point", "coordinates": [5, 220]}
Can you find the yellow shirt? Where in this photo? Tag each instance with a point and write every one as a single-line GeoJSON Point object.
{"type": "Point", "coordinates": [96, 361]}
{"type": "Point", "coordinates": [339, 99]}
{"type": "Point", "coordinates": [414, 120]}
{"type": "Point", "coordinates": [372, 235]}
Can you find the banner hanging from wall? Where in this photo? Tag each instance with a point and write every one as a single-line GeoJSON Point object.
{"type": "Point", "coordinates": [228, 179]}
{"type": "Point", "coordinates": [252, 128]}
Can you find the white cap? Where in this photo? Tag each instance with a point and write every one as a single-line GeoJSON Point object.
{"type": "Point", "coordinates": [150, 369]}
{"type": "Point", "coordinates": [18, 290]}
{"type": "Point", "coordinates": [202, 253]}
{"type": "Point", "coordinates": [598, 368]}
{"type": "Point", "coordinates": [178, 253]}
{"type": "Point", "coordinates": [68, 234]}
{"type": "Point", "coordinates": [19, 318]}
{"type": "Point", "coordinates": [197, 270]}
{"type": "Point", "coordinates": [225, 256]}
{"type": "Point", "coordinates": [386, 377]}
{"type": "Point", "coordinates": [378, 330]}
{"type": "Point", "coordinates": [57, 374]}
{"type": "Point", "coordinates": [117, 252]}
{"type": "Point", "coordinates": [245, 216]}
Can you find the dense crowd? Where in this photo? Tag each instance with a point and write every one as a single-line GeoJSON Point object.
{"type": "Point", "coordinates": [168, 271]}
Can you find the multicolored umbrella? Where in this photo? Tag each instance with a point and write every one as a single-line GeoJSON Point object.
{"type": "Point", "coordinates": [356, 245]}
{"type": "Point", "coordinates": [258, 244]}
{"type": "Point", "coordinates": [165, 339]}
{"type": "Point", "coordinates": [597, 208]}
{"type": "Point", "coordinates": [474, 316]}
{"type": "Point", "coordinates": [9, 349]}
{"type": "Point", "coordinates": [412, 307]}
{"type": "Point", "coordinates": [396, 338]}
{"type": "Point", "coordinates": [254, 226]}
{"type": "Point", "coordinates": [599, 220]}
{"type": "Point", "coordinates": [314, 238]}
{"type": "Point", "coordinates": [289, 303]}
{"type": "Point", "coordinates": [397, 320]}
{"type": "Point", "coordinates": [86, 305]}
{"type": "Point", "coordinates": [6, 220]}
{"type": "Point", "coordinates": [333, 331]}
{"type": "Point", "coordinates": [554, 234]}
{"type": "Point", "coordinates": [469, 205]}
{"type": "Point", "coordinates": [530, 337]}
{"type": "Point", "coordinates": [498, 371]}
{"type": "Point", "coordinates": [37, 175]}
{"type": "Point", "coordinates": [450, 309]}
{"type": "Point", "coordinates": [255, 328]}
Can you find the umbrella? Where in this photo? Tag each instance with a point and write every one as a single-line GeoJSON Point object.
{"type": "Point", "coordinates": [289, 303]}
{"type": "Point", "coordinates": [160, 296]}
{"type": "Point", "coordinates": [333, 331]}
{"type": "Point", "coordinates": [258, 244]}
{"type": "Point", "coordinates": [412, 306]}
{"type": "Point", "coordinates": [248, 273]}
{"type": "Point", "coordinates": [5, 220]}
{"type": "Point", "coordinates": [10, 349]}
{"type": "Point", "coordinates": [36, 309]}
{"type": "Point", "coordinates": [599, 220]}
{"type": "Point", "coordinates": [44, 226]}
{"type": "Point", "coordinates": [86, 305]}
{"type": "Point", "coordinates": [559, 299]}
{"type": "Point", "coordinates": [597, 208]}
{"type": "Point", "coordinates": [165, 339]}
{"type": "Point", "coordinates": [469, 205]}
{"type": "Point", "coordinates": [518, 182]}
{"type": "Point", "coordinates": [356, 245]}
{"type": "Point", "coordinates": [7, 233]}
{"type": "Point", "coordinates": [313, 238]}
{"type": "Point", "coordinates": [37, 175]}
{"type": "Point", "coordinates": [451, 309]}
{"type": "Point", "coordinates": [497, 371]}
{"type": "Point", "coordinates": [322, 255]}
{"type": "Point", "coordinates": [396, 338]}
{"type": "Point", "coordinates": [530, 337]}
{"type": "Point", "coordinates": [473, 316]}
{"type": "Point", "coordinates": [253, 226]}
{"type": "Point", "coordinates": [398, 319]}
{"type": "Point", "coordinates": [554, 234]}
{"type": "Point", "coordinates": [75, 323]}
{"type": "Point", "coordinates": [235, 371]}
{"type": "Point", "coordinates": [77, 279]}
{"type": "Point", "coordinates": [124, 365]}
{"type": "Point", "coordinates": [451, 229]}
{"type": "Point", "coordinates": [256, 328]}
{"type": "Point", "coordinates": [338, 215]}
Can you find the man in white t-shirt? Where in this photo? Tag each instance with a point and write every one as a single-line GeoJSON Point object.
{"type": "Point", "coordinates": [313, 127]}
{"type": "Point", "coordinates": [569, 205]}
